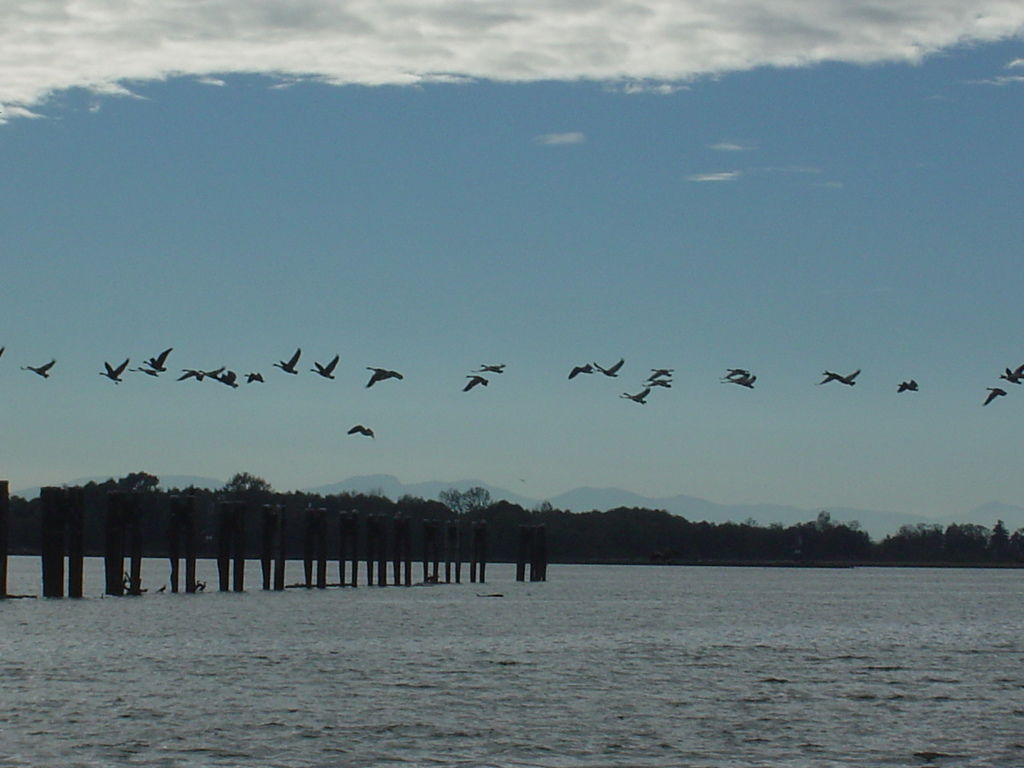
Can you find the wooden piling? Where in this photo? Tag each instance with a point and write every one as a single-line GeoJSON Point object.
{"type": "Point", "coordinates": [382, 552]}
{"type": "Point", "coordinates": [320, 547]}
{"type": "Point", "coordinates": [238, 545]}
{"type": "Point", "coordinates": [188, 534]}
{"type": "Point", "coordinates": [281, 554]}
{"type": "Point", "coordinates": [174, 541]}
{"type": "Point", "coordinates": [74, 500]}
{"type": "Point", "coordinates": [539, 559]}
{"type": "Point", "coordinates": [5, 512]}
{"type": "Point", "coordinates": [348, 541]}
{"type": "Point", "coordinates": [431, 552]}
{"type": "Point", "coordinates": [402, 551]}
{"type": "Point", "coordinates": [308, 540]}
{"type": "Point", "coordinates": [397, 532]}
{"type": "Point", "coordinates": [269, 529]}
{"type": "Point", "coordinates": [133, 527]}
{"type": "Point", "coordinates": [525, 551]}
{"type": "Point", "coordinates": [371, 548]}
{"type": "Point", "coordinates": [478, 556]}
{"type": "Point", "coordinates": [52, 549]}
{"type": "Point", "coordinates": [452, 552]}
{"type": "Point", "coordinates": [113, 550]}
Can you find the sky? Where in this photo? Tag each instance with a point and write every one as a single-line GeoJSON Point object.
{"type": "Point", "coordinates": [432, 186]}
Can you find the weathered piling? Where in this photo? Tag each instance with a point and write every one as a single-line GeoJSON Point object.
{"type": "Point", "coordinates": [133, 528]}
{"type": "Point", "coordinates": [382, 552]}
{"type": "Point", "coordinates": [5, 512]}
{"type": "Point", "coordinates": [231, 546]}
{"type": "Point", "coordinates": [53, 513]}
{"type": "Point", "coordinates": [267, 537]}
{"type": "Point", "coordinates": [74, 500]}
{"type": "Point", "coordinates": [431, 552]}
{"type": "Point", "coordinates": [452, 552]}
{"type": "Point", "coordinates": [280, 554]}
{"type": "Point", "coordinates": [524, 552]}
{"type": "Point", "coordinates": [238, 546]}
{"type": "Point", "coordinates": [348, 540]}
{"type": "Point", "coordinates": [181, 539]}
{"type": "Point", "coordinates": [539, 561]}
{"type": "Point", "coordinates": [402, 551]}
{"type": "Point", "coordinates": [376, 554]}
{"type": "Point", "coordinates": [187, 507]}
{"type": "Point", "coordinates": [478, 552]}
{"type": "Point", "coordinates": [320, 546]}
{"type": "Point", "coordinates": [113, 544]}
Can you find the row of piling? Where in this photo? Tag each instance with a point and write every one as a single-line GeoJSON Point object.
{"type": "Point", "coordinates": [62, 527]}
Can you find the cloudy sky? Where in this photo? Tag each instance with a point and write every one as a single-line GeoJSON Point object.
{"type": "Point", "coordinates": [433, 185]}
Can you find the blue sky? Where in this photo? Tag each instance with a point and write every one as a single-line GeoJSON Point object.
{"type": "Point", "coordinates": [837, 194]}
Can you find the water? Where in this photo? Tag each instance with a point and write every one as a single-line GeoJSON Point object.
{"type": "Point", "coordinates": [599, 667]}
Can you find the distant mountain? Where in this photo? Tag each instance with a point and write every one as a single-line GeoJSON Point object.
{"type": "Point", "coordinates": [393, 488]}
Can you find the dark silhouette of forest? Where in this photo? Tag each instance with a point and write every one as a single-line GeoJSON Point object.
{"type": "Point", "coordinates": [623, 535]}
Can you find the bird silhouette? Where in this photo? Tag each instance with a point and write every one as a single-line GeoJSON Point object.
{"type": "Point", "coordinates": [665, 383]}
{"type": "Point", "coordinates": [289, 367]}
{"type": "Point", "coordinates": [496, 368]}
{"type": "Point", "coordinates": [639, 397]}
{"type": "Point", "coordinates": [847, 380]}
{"type": "Point", "coordinates": [735, 373]}
{"type": "Point", "coordinates": [746, 380]}
{"type": "Point", "coordinates": [112, 373]}
{"type": "Point", "coordinates": [474, 380]}
{"type": "Point", "coordinates": [230, 378]}
{"type": "Point", "coordinates": [661, 373]}
{"type": "Point", "coordinates": [359, 429]}
{"type": "Point", "coordinates": [254, 377]}
{"type": "Point", "coordinates": [588, 368]}
{"type": "Point", "coordinates": [2, 349]}
{"type": "Point", "coordinates": [159, 362]}
{"type": "Point", "coordinates": [143, 369]}
{"type": "Point", "coordinates": [42, 370]}
{"type": "Point", "coordinates": [612, 370]}
{"type": "Point", "coordinates": [1013, 376]}
{"type": "Point", "coordinates": [191, 373]}
{"type": "Point", "coordinates": [907, 386]}
{"type": "Point", "coordinates": [993, 393]}
{"type": "Point", "coordinates": [327, 371]}
{"type": "Point", "coordinates": [380, 374]}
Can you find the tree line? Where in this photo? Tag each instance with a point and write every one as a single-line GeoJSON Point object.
{"type": "Point", "coordinates": [621, 535]}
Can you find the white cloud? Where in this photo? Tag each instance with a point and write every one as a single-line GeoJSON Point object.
{"type": "Point", "coordinates": [719, 176]}
{"type": "Point", "coordinates": [10, 112]}
{"type": "Point", "coordinates": [51, 45]}
{"type": "Point", "coordinates": [212, 81]}
{"type": "Point", "coordinates": [1015, 63]}
{"type": "Point", "coordinates": [729, 146]}
{"type": "Point", "coordinates": [574, 137]}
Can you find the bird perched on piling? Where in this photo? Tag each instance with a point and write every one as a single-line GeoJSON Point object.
{"type": "Point", "coordinates": [847, 380]}
{"type": "Point", "coordinates": [380, 374]}
{"type": "Point", "coordinates": [907, 386]}
{"type": "Point", "coordinates": [359, 429]}
{"type": "Point", "coordinates": [639, 397]}
{"type": "Point", "coordinates": [577, 370]}
{"type": "Point", "coordinates": [112, 373]}
{"type": "Point", "coordinates": [993, 393]}
{"type": "Point", "coordinates": [611, 370]}
{"type": "Point", "coordinates": [474, 380]}
{"type": "Point", "coordinates": [327, 371]}
{"type": "Point", "coordinates": [42, 370]}
{"type": "Point", "coordinates": [289, 367]}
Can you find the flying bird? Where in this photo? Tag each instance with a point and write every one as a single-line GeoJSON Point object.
{"type": "Point", "coordinates": [1014, 376]}
{"type": "Point", "coordinates": [327, 371]}
{"type": "Point", "coordinates": [746, 380]}
{"type": "Point", "coordinates": [661, 373]}
{"type": "Point", "coordinates": [666, 383]}
{"type": "Point", "coordinates": [289, 367]}
{"type": "Point", "coordinates": [2, 351]}
{"type": "Point", "coordinates": [380, 374]}
{"type": "Point", "coordinates": [474, 380]}
{"type": "Point", "coordinates": [588, 368]}
{"type": "Point", "coordinates": [611, 371]}
{"type": "Point", "coordinates": [907, 386]}
{"type": "Point", "coordinates": [847, 380]}
{"type": "Point", "coordinates": [639, 397]}
{"type": "Point", "coordinates": [143, 369]}
{"type": "Point", "coordinates": [112, 373]}
{"type": "Point", "coordinates": [42, 370]}
{"type": "Point", "coordinates": [230, 378]}
{"type": "Point", "coordinates": [497, 368]}
{"type": "Point", "coordinates": [359, 429]}
{"type": "Point", "coordinates": [735, 373]}
{"type": "Point", "coordinates": [254, 377]}
{"type": "Point", "coordinates": [191, 373]}
{"type": "Point", "coordinates": [159, 362]}
{"type": "Point", "coordinates": [993, 393]}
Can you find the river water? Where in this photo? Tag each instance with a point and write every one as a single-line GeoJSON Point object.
{"type": "Point", "coordinates": [600, 666]}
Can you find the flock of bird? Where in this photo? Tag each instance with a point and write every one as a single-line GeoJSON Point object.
{"type": "Point", "coordinates": [659, 378]}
